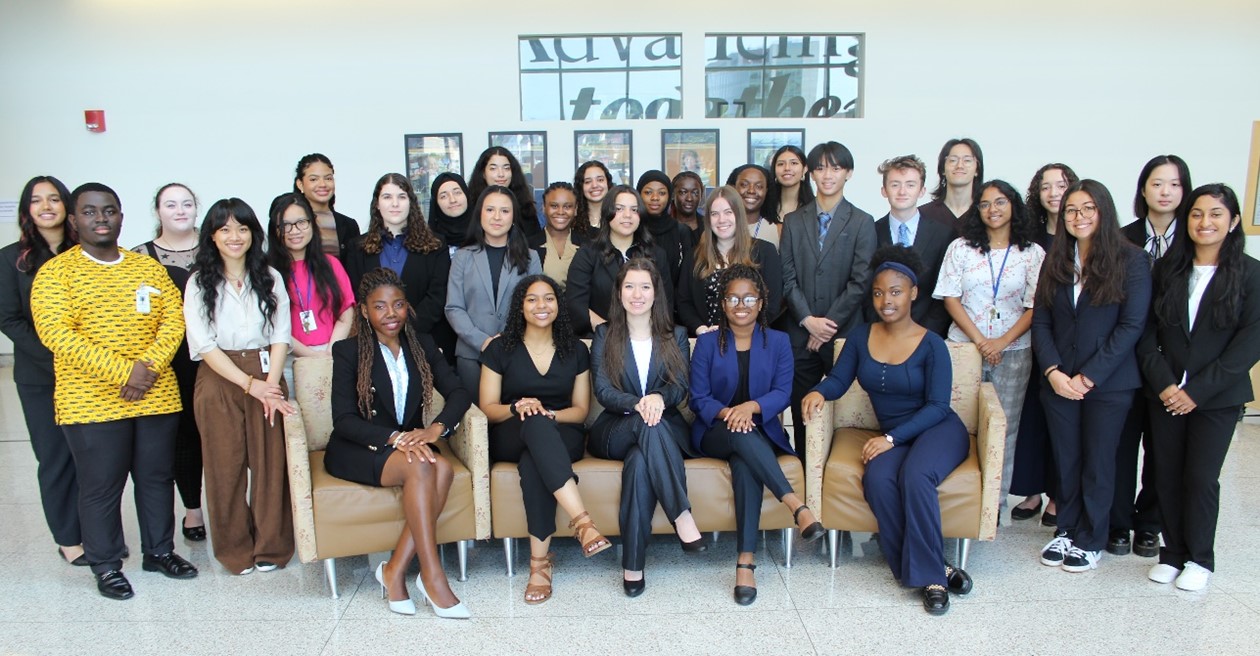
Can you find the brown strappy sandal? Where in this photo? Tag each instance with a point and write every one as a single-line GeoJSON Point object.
{"type": "Point", "coordinates": [536, 594]}
{"type": "Point", "coordinates": [596, 542]}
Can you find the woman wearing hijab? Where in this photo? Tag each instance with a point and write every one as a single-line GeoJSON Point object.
{"type": "Point", "coordinates": [656, 190]}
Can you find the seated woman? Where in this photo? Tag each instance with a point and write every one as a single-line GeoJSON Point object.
{"type": "Point", "coordinates": [379, 437]}
{"type": "Point", "coordinates": [639, 362]}
{"type": "Point", "coordinates": [536, 416]}
{"type": "Point", "coordinates": [906, 370]}
{"type": "Point", "coordinates": [737, 413]}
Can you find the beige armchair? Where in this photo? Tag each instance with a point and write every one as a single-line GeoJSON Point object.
{"type": "Point", "coordinates": [333, 518]}
{"type": "Point", "coordinates": [968, 497]}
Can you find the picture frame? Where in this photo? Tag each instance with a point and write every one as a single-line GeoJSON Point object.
{"type": "Point", "coordinates": [615, 148]}
{"type": "Point", "coordinates": [698, 151]}
{"type": "Point", "coordinates": [763, 142]}
{"type": "Point", "coordinates": [428, 155]}
{"type": "Point", "coordinates": [530, 149]}
{"type": "Point", "coordinates": [1251, 196]}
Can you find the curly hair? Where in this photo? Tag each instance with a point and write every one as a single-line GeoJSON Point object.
{"type": "Point", "coordinates": [774, 192]}
{"type": "Point", "coordinates": [1104, 270]}
{"type": "Point", "coordinates": [1037, 214]}
{"type": "Point", "coordinates": [661, 327]}
{"type": "Point", "coordinates": [209, 263]}
{"type": "Point", "coordinates": [33, 249]}
{"type": "Point", "coordinates": [730, 275]}
{"type": "Point", "coordinates": [1171, 275]}
{"type": "Point", "coordinates": [583, 224]}
{"type": "Point", "coordinates": [420, 237]}
{"type": "Point", "coordinates": [562, 335]}
{"type": "Point", "coordinates": [367, 341]}
{"type": "Point", "coordinates": [975, 231]}
{"type": "Point", "coordinates": [477, 184]}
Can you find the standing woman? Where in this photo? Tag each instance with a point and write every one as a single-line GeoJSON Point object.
{"type": "Point", "coordinates": [450, 211]}
{"type": "Point", "coordinates": [558, 245]}
{"type": "Point", "coordinates": [483, 276]}
{"type": "Point", "coordinates": [989, 284]}
{"type": "Point", "coordinates": [1196, 356]}
{"type": "Point", "coordinates": [1044, 199]}
{"type": "Point", "coordinates": [237, 314]}
{"type": "Point", "coordinates": [724, 243]}
{"type": "Point", "coordinates": [498, 167]}
{"type": "Point", "coordinates": [44, 233]}
{"type": "Point", "coordinates": [380, 438]}
{"type": "Point", "coordinates": [535, 391]}
{"type": "Point", "coordinates": [750, 182]}
{"type": "Point", "coordinates": [741, 381]}
{"type": "Point", "coordinates": [655, 189]}
{"type": "Point", "coordinates": [175, 247]}
{"type": "Point", "coordinates": [622, 235]}
{"type": "Point", "coordinates": [688, 194]}
{"type": "Point", "coordinates": [314, 179]}
{"type": "Point", "coordinates": [639, 363]}
{"type": "Point", "coordinates": [790, 188]}
{"type": "Point", "coordinates": [592, 180]}
{"type": "Point", "coordinates": [1092, 301]}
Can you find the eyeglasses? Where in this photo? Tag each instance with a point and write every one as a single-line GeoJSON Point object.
{"type": "Point", "coordinates": [1086, 212]}
{"type": "Point", "coordinates": [301, 225]}
{"type": "Point", "coordinates": [748, 301]}
{"type": "Point", "coordinates": [954, 161]}
{"type": "Point", "coordinates": [999, 203]}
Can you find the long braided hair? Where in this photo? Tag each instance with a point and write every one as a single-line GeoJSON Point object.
{"type": "Point", "coordinates": [725, 278]}
{"type": "Point", "coordinates": [366, 337]}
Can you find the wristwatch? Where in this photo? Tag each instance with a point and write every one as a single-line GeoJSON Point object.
{"type": "Point", "coordinates": [890, 439]}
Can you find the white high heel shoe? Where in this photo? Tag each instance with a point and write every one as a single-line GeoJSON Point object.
{"type": "Point", "coordinates": [457, 612]}
{"type": "Point", "coordinates": [404, 607]}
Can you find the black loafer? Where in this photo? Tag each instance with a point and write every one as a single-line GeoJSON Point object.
{"type": "Point", "coordinates": [81, 561]}
{"type": "Point", "coordinates": [1118, 543]}
{"type": "Point", "coordinates": [634, 588]}
{"type": "Point", "coordinates": [1146, 544]}
{"type": "Point", "coordinates": [958, 581]}
{"type": "Point", "coordinates": [935, 599]}
{"type": "Point", "coordinates": [1050, 519]}
{"type": "Point", "coordinates": [113, 585]}
{"type": "Point", "coordinates": [811, 532]}
{"type": "Point", "coordinates": [745, 594]}
{"type": "Point", "coordinates": [194, 533]}
{"type": "Point", "coordinates": [1020, 514]}
{"type": "Point", "coordinates": [171, 565]}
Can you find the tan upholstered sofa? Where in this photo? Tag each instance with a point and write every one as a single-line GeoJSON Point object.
{"type": "Point", "coordinates": [599, 480]}
{"type": "Point", "coordinates": [969, 496]}
{"type": "Point", "coordinates": [334, 518]}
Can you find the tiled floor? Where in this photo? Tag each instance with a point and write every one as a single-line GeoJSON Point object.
{"type": "Point", "coordinates": [1018, 606]}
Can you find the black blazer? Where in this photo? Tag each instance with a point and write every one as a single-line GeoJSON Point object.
{"type": "Point", "coordinates": [356, 442]}
{"type": "Point", "coordinates": [620, 402]}
{"type": "Point", "coordinates": [931, 240]}
{"type": "Point", "coordinates": [1135, 232]}
{"type": "Point", "coordinates": [424, 274]}
{"type": "Point", "coordinates": [347, 230]}
{"type": "Point", "coordinates": [674, 239]}
{"type": "Point", "coordinates": [693, 293]}
{"type": "Point", "coordinates": [1097, 341]}
{"type": "Point", "coordinates": [1218, 361]}
{"type": "Point", "coordinates": [32, 361]}
{"type": "Point", "coordinates": [591, 278]}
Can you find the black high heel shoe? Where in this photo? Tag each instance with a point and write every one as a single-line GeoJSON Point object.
{"type": "Point", "coordinates": [634, 588]}
{"type": "Point", "coordinates": [695, 546]}
{"type": "Point", "coordinates": [811, 532]}
{"type": "Point", "coordinates": [745, 594]}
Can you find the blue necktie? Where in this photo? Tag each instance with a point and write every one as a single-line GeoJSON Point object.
{"type": "Point", "coordinates": [824, 223]}
{"type": "Point", "coordinates": [903, 235]}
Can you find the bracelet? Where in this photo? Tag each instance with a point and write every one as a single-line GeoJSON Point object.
{"type": "Point", "coordinates": [248, 384]}
{"type": "Point", "coordinates": [1050, 371]}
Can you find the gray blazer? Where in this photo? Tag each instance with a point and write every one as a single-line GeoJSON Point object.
{"type": "Point", "coordinates": [472, 308]}
{"type": "Point", "coordinates": [836, 281]}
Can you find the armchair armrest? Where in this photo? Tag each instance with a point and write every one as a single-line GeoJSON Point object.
{"type": "Point", "coordinates": [471, 444]}
{"type": "Point", "coordinates": [990, 451]}
{"type": "Point", "coordinates": [299, 460]}
{"type": "Point", "coordinates": [819, 434]}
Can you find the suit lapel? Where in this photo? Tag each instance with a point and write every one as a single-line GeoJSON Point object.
{"type": "Point", "coordinates": [412, 404]}
{"type": "Point", "coordinates": [482, 267]}
{"type": "Point", "coordinates": [1202, 315]}
{"type": "Point", "coordinates": [632, 370]}
{"type": "Point", "coordinates": [384, 394]}
{"type": "Point", "coordinates": [839, 221]}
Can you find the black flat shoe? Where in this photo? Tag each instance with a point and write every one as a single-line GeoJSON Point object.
{"type": "Point", "coordinates": [1050, 519]}
{"type": "Point", "coordinates": [935, 599]}
{"type": "Point", "coordinates": [171, 565]}
{"type": "Point", "coordinates": [126, 552]}
{"type": "Point", "coordinates": [113, 585]}
{"type": "Point", "coordinates": [958, 581]}
{"type": "Point", "coordinates": [1118, 543]}
{"type": "Point", "coordinates": [1020, 514]}
{"type": "Point", "coordinates": [745, 594]}
{"type": "Point", "coordinates": [811, 532]}
{"type": "Point", "coordinates": [634, 588]}
{"type": "Point", "coordinates": [1145, 544]}
{"type": "Point", "coordinates": [81, 561]}
{"type": "Point", "coordinates": [193, 533]}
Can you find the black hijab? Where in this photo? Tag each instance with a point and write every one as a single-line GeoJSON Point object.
{"type": "Point", "coordinates": [452, 229]}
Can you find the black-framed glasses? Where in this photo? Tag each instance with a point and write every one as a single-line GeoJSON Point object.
{"type": "Point", "coordinates": [1086, 212]}
{"type": "Point", "coordinates": [747, 301]}
{"type": "Point", "coordinates": [301, 225]}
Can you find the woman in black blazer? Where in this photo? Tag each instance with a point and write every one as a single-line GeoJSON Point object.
{"type": "Point", "coordinates": [1092, 301]}
{"type": "Point", "coordinates": [382, 388]}
{"type": "Point", "coordinates": [1199, 347]}
{"type": "Point", "coordinates": [314, 179]}
{"type": "Point", "coordinates": [639, 361]}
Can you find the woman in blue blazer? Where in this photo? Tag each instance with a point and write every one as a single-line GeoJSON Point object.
{"type": "Point", "coordinates": [737, 412]}
{"type": "Point", "coordinates": [639, 365]}
{"type": "Point", "coordinates": [1092, 301]}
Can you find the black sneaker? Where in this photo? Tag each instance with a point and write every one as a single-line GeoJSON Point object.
{"type": "Point", "coordinates": [1056, 550]}
{"type": "Point", "coordinates": [1079, 560]}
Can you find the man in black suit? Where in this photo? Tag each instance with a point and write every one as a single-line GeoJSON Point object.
{"type": "Point", "coordinates": [903, 225]}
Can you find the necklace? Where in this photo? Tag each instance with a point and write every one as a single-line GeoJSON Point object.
{"type": "Point", "coordinates": [238, 282]}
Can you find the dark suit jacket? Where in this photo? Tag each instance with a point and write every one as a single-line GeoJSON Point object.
{"type": "Point", "coordinates": [693, 294]}
{"type": "Point", "coordinates": [591, 279]}
{"type": "Point", "coordinates": [715, 375]}
{"type": "Point", "coordinates": [424, 274]}
{"type": "Point", "coordinates": [1218, 361]}
{"type": "Point", "coordinates": [32, 361]}
{"type": "Point", "coordinates": [347, 230]}
{"type": "Point", "coordinates": [1135, 232]}
{"type": "Point", "coordinates": [835, 282]}
{"type": "Point", "coordinates": [620, 402]}
{"type": "Point", "coordinates": [931, 240]}
{"type": "Point", "coordinates": [1097, 341]}
{"type": "Point", "coordinates": [356, 442]}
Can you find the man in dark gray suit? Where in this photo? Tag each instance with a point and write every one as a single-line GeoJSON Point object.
{"type": "Point", "coordinates": [826, 249]}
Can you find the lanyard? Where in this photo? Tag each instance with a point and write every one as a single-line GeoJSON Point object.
{"type": "Point", "coordinates": [997, 278]}
{"type": "Point", "coordinates": [304, 303]}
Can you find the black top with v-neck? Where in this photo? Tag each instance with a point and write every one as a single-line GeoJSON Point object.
{"type": "Point", "coordinates": [521, 378]}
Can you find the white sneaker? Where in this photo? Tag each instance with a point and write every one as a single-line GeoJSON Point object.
{"type": "Point", "coordinates": [1162, 573]}
{"type": "Point", "coordinates": [1079, 560]}
{"type": "Point", "coordinates": [1193, 578]}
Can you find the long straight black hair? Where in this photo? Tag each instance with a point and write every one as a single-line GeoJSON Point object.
{"type": "Point", "coordinates": [517, 246]}
{"type": "Point", "coordinates": [317, 266]}
{"type": "Point", "coordinates": [1171, 275]}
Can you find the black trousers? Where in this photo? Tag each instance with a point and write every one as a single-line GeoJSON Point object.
{"type": "Point", "coordinates": [754, 466]}
{"type": "Point", "coordinates": [1035, 471]}
{"type": "Point", "coordinates": [1142, 513]}
{"type": "Point", "coordinates": [188, 444]}
{"type": "Point", "coordinates": [545, 452]}
{"type": "Point", "coordinates": [58, 484]}
{"type": "Point", "coordinates": [105, 454]}
{"type": "Point", "coordinates": [1189, 451]}
{"type": "Point", "coordinates": [653, 472]}
{"type": "Point", "coordinates": [809, 368]}
{"type": "Point", "coordinates": [1084, 435]}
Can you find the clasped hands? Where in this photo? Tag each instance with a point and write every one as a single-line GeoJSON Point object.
{"type": "Point", "coordinates": [416, 442]}
{"type": "Point", "coordinates": [1072, 388]}
{"type": "Point", "coordinates": [991, 349]}
{"type": "Point", "coordinates": [271, 397]}
{"type": "Point", "coordinates": [651, 408]}
{"type": "Point", "coordinates": [1176, 401]}
{"type": "Point", "coordinates": [139, 381]}
{"type": "Point", "coordinates": [530, 406]}
{"type": "Point", "coordinates": [739, 419]}
{"type": "Point", "coordinates": [821, 330]}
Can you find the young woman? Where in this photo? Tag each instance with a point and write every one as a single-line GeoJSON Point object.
{"type": "Point", "coordinates": [593, 180]}
{"type": "Point", "coordinates": [639, 363]}
{"type": "Point", "coordinates": [560, 242]}
{"type": "Point", "coordinates": [43, 233]}
{"type": "Point", "coordinates": [314, 179]}
{"type": "Point", "coordinates": [655, 188]}
{"type": "Point", "coordinates": [906, 370]}
{"type": "Point", "coordinates": [450, 211]}
{"type": "Point", "coordinates": [741, 381]}
{"type": "Point", "coordinates": [688, 194]}
{"type": "Point", "coordinates": [483, 276]}
{"type": "Point", "coordinates": [1045, 198]}
{"type": "Point", "coordinates": [750, 182]}
{"type": "Point", "coordinates": [398, 239]}
{"type": "Point", "coordinates": [1196, 355]}
{"type": "Point", "coordinates": [382, 388]}
{"type": "Point", "coordinates": [175, 247]}
{"type": "Point", "coordinates": [535, 391]}
{"type": "Point", "coordinates": [1092, 300]}
{"type": "Point", "coordinates": [722, 244]}
{"type": "Point", "coordinates": [237, 315]}
{"type": "Point", "coordinates": [498, 167]}
{"type": "Point", "coordinates": [622, 235]}
{"type": "Point", "coordinates": [790, 188]}
{"type": "Point", "coordinates": [988, 282]}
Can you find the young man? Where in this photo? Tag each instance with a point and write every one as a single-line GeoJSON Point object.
{"type": "Point", "coordinates": [826, 249]}
{"type": "Point", "coordinates": [113, 320]}
{"type": "Point", "coordinates": [960, 168]}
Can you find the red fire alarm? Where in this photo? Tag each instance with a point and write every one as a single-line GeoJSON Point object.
{"type": "Point", "coordinates": [95, 120]}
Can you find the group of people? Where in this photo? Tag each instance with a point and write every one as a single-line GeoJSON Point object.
{"type": "Point", "coordinates": [170, 361]}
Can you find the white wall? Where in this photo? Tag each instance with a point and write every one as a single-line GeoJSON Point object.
{"type": "Point", "coordinates": [226, 95]}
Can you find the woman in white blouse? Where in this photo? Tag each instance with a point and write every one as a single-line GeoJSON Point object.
{"type": "Point", "coordinates": [237, 315]}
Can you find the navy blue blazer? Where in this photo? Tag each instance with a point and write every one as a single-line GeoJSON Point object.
{"type": "Point", "coordinates": [1097, 341]}
{"type": "Point", "coordinates": [714, 376]}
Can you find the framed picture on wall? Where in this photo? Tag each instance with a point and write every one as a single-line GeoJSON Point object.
{"type": "Point", "coordinates": [530, 149]}
{"type": "Point", "coordinates": [431, 154]}
{"type": "Point", "coordinates": [612, 147]}
{"type": "Point", "coordinates": [691, 150]}
{"type": "Point", "coordinates": [1251, 197]}
{"type": "Point", "coordinates": [763, 143]}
